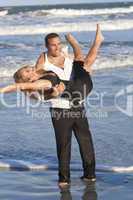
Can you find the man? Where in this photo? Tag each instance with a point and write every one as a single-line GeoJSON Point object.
{"type": "Point", "coordinates": [63, 121]}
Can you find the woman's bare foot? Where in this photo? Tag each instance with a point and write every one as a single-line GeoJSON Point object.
{"type": "Point", "coordinates": [99, 35]}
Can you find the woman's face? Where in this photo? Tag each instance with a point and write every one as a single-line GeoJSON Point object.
{"type": "Point", "coordinates": [29, 74]}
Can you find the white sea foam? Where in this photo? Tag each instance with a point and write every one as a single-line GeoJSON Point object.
{"type": "Point", "coordinates": [33, 165]}
{"type": "Point", "coordinates": [81, 12]}
{"type": "Point", "coordinates": [21, 165]}
{"type": "Point", "coordinates": [10, 65]}
{"type": "Point", "coordinates": [6, 72]}
{"type": "Point", "coordinates": [3, 13]}
{"type": "Point", "coordinates": [114, 62]}
{"type": "Point", "coordinates": [16, 45]}
{"type": "Point", "coordinates": [66, 27]}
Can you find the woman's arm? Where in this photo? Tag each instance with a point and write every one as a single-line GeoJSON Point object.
{"type": "Point", "coordinates": [9, 88]}
{"type": "Point", "coordinates": [37, 85]}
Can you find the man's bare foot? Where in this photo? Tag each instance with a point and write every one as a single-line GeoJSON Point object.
{"type": "Point", "coordinates": [63, 184]}
{"type": "Point", "coordinates": [99, 35]}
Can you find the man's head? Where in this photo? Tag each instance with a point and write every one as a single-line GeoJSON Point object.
{"type": "Point", "coordinates": [53, 44]}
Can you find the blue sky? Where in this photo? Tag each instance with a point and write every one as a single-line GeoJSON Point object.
{"type": "Point", "coordinates": [35, 2]}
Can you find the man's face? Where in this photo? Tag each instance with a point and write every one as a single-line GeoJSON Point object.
{"type": "Point", "coordinates": [54, 46]}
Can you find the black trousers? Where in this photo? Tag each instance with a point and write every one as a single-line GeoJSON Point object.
{"type": "Point", "coordinates": [64, 122]}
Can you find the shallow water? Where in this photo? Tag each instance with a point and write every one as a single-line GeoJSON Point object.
{"type": "Point", "coordinates": [43, 185]}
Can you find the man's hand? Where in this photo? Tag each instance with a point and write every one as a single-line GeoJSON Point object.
{"type": "Point", "coordinates": [58, 89]}
{"type": "Point", "coordinates": [61, 87]}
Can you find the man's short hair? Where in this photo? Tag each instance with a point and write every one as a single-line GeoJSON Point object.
{"type": "Point", "coordinates": [49, 36]}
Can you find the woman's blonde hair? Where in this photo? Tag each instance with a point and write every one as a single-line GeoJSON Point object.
{"type": "Point", "coordinates": [18, 77]}
{"type": "Point", "coordinates": [18, 74]}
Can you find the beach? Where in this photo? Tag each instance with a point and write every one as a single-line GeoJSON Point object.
{"type": "Point", "coordinates": [28, 162]}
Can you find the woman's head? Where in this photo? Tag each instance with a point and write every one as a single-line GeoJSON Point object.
{"type": "Point", "coordinates": [24, 74]}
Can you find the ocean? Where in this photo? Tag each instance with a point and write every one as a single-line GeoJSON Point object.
{"type": "Point", "coordinates": [28, 160]}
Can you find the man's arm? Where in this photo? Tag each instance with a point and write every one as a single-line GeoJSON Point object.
{"type": "Point", "coordinates": [40, 62]}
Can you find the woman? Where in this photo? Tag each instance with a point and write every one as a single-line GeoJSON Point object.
{"type": "Point", "coordinates": [28, 79]}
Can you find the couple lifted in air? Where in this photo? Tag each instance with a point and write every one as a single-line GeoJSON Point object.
{"type": "Point", "coordinates": [57, 76]}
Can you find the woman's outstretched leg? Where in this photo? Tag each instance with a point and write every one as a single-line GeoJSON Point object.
{"type": "Point", "coordinates": [76, 47]}
{"type": "Point", "coordinates": [92, 54]}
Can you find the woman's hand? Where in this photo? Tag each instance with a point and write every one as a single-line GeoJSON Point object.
{"type": "Point", "coordinates": [8, 89]}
